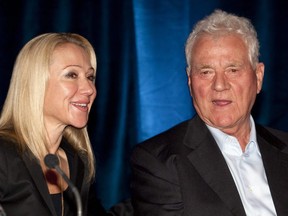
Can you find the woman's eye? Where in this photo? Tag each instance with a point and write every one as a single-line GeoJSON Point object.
{"type": "Point", "coordinates": [72, 75]}
{"type": "Point", "coordinates": [91, 77]}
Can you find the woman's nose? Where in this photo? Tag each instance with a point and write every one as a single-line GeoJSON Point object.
{"type": "Point", "coordinates": [87, 87]}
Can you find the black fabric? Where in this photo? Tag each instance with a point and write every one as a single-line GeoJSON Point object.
{"type": "Point", "coordinates": [183, 172]}
{"type": "Point", "coordinates": [22, 185]}
{"type": "Point", "coordinates": [56, 199]}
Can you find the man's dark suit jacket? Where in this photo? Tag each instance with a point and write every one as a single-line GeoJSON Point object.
{"type": "Point", "coordinates": [183, 172]}
{"type": "Point", "coordinates": [23, 188]}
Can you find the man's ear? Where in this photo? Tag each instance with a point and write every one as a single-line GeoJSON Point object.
{"type": "Point", "coordinates": [260, 76]}
{"type": "Point", "coordinates": [188, 72]}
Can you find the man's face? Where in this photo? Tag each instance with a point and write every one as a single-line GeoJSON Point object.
{"type": "Point", "coordinates": [222, 82]}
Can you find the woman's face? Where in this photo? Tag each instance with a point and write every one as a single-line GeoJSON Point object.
{"type": "Point", "coordinates": [70, 89]}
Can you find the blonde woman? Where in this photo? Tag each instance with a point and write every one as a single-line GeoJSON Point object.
{"type": "Point", "coordinates": [46, 112]}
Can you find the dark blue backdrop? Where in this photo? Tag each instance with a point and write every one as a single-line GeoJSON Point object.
{"type": "Point", "coordinates": [141, 80]}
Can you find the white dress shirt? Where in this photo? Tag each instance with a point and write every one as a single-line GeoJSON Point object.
{"type": "Point", "coordinates": [248, 172]}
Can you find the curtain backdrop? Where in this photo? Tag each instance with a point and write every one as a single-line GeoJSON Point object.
{"type": "Point", "coordinates": [141, 78]}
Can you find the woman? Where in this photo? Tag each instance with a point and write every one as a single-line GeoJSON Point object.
{"type": "Point", "coordinates": [46, 112]}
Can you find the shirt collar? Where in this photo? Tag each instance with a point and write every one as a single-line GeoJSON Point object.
{"type": "Point", "coordinates": [229, 144]}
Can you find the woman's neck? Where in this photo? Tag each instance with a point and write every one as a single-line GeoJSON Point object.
{"type": "Point", "coordinates": [54, 137]}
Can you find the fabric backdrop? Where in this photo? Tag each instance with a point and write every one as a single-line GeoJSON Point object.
{"type": "Point", "coordinates": [141, 78]}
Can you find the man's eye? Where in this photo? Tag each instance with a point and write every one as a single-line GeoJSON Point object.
{"type": "Point", "coordinates": [205, 72]}
{"type": "Point", "coordinates": [233, 71]}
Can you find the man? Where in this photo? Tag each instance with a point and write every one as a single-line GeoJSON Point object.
{"type": "Point", "coordinates": [220, 162]}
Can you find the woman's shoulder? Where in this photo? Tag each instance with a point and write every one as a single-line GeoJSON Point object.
{"type": "Point", "coordinates": [9, 157]}
{"type": "Point", "coordinates": [7, 146]}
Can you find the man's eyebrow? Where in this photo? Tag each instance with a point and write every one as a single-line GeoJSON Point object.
{"type": "Point", "coordinates": [202, 66]}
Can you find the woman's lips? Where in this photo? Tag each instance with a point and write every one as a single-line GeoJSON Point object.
{"type": "Point", "coordinates": [81, 106]}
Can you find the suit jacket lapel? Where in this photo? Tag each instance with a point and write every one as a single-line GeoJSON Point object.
{"type": "Point", "coordinates": [276, 167]}
{"type": "Point", "coordinates": [77, 168]}
{"type": "Point", "coordinates": [207, 158]}
{"type": "Point", "coordinates": [37, 175]}
{"type": "Point", "coordinates": [81, 182]}
{"type": "Point", "coordinates": [78, 172]}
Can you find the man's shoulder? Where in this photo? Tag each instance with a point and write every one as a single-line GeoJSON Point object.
{"type": "Point", "coordinates": [276, 137]}
{"type": "Point", "coordinates": [281, 134]}
{"type": "Point", "coordinates": [169, 141]}
{"type": "Point", "coordinates": [176, 130]}
{"type": "Point", "coordinates": [278, 133]}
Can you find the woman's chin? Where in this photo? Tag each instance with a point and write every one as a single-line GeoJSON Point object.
{"type": "Point", "coordinates": [79, 124]}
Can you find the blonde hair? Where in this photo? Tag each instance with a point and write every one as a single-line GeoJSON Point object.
{"type": "Point", "coordinates": [22, 114]}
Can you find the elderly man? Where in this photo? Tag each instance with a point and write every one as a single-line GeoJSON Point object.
{"type": "Point", "coordinates": [220, 162]}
